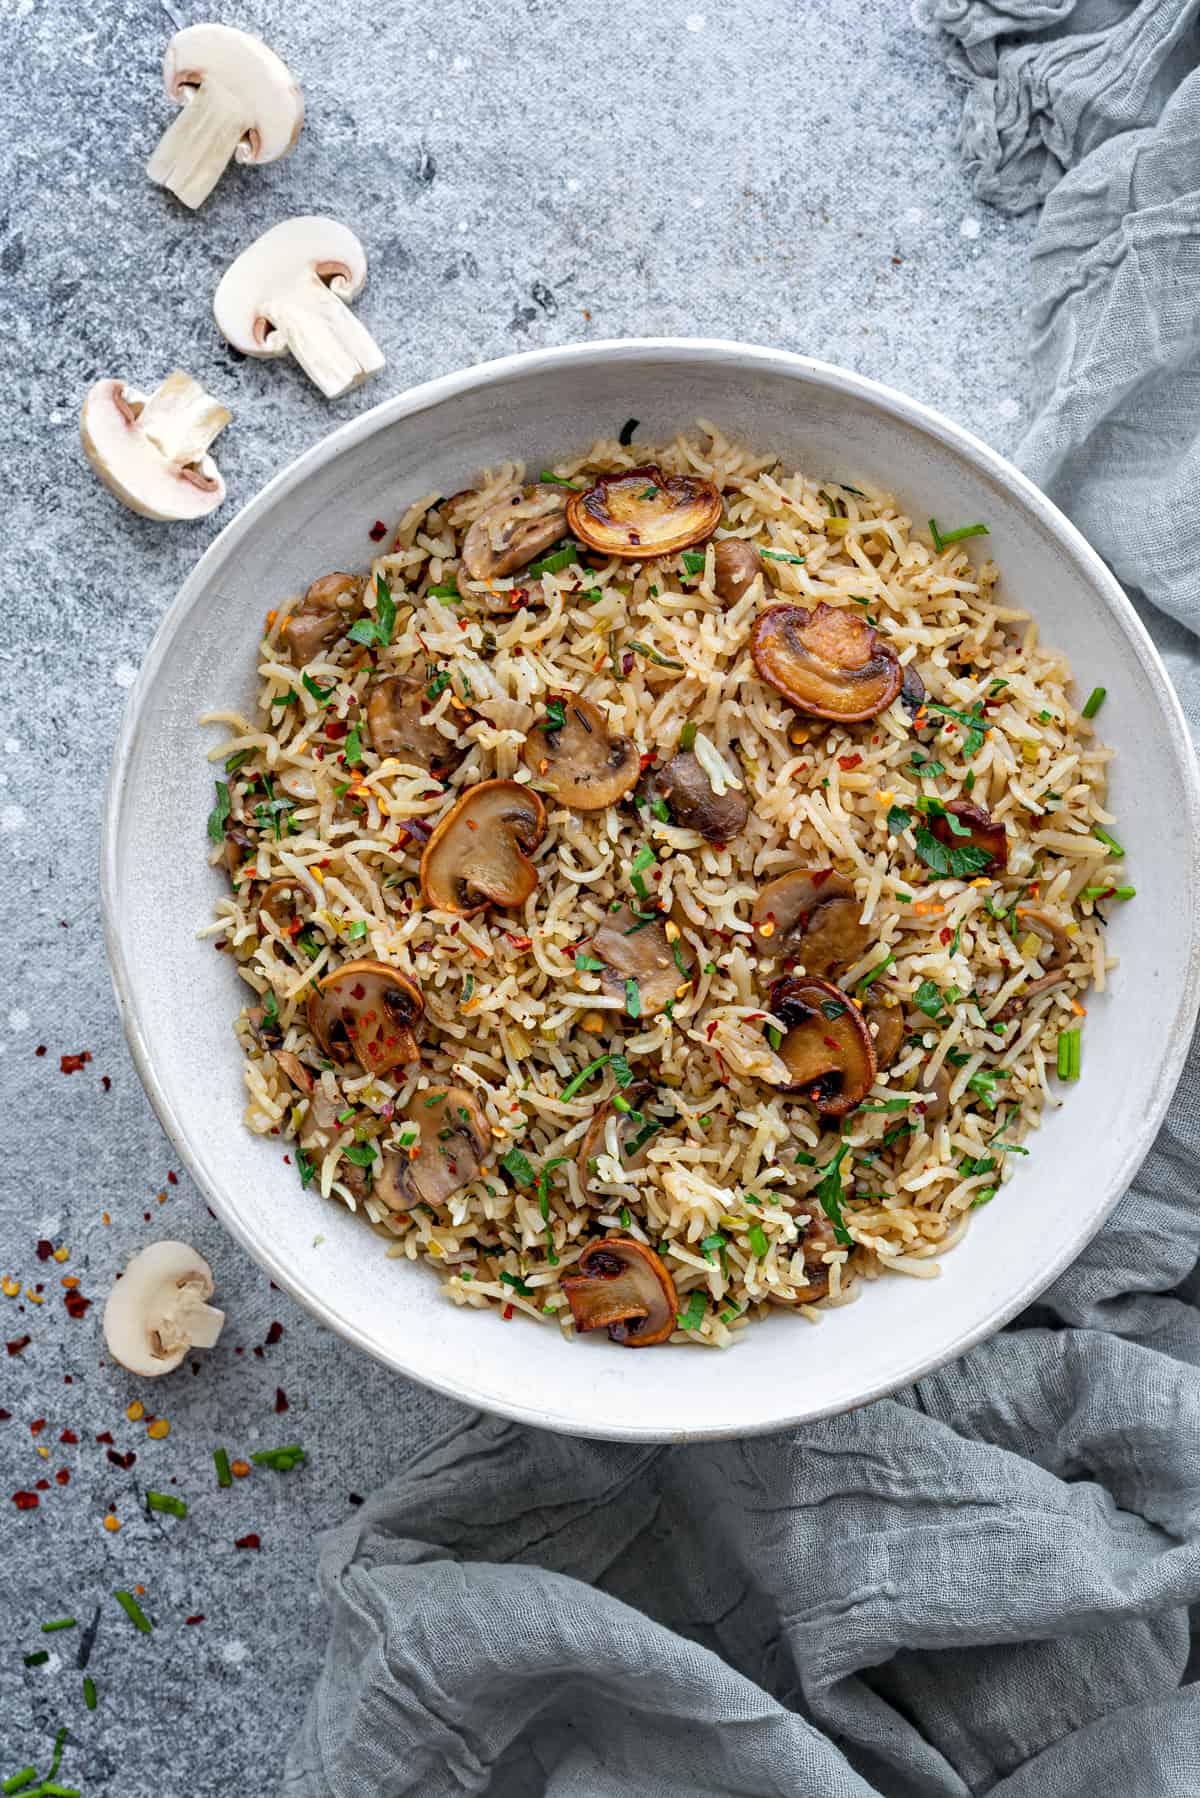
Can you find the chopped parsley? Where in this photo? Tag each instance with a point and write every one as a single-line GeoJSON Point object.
{"type": "Point", "coordinates": [517, 1284]}
{"type": "Point", "coordinates": [559, 558]}
{"type": "Point", "coordinates": [692, 1316]}
{"type": "Point", "coordinates": [693, 562]}
{"type": "Point", "coordinates": [322, 695]}
{"type": "Point", "coordinates": [589, 964]}
{"type": "Point", "coordinates": [633, 998]}
{"type": "Point", "coordinates": [650, 492]}
{"type": "Point", "coordinates": [829, 1193]}
{"type": "Point", "coordinates": [622, 1072]}
{"type": "Point", "coordinates": [354, 749]}
{"type": "Point", "coordinates": [973, 720]}
{"type": "Point", "coordinates": [438, 684]}
{"type": "Point", "coordinates": [928, 999]}
{"type": "Point", "coordinates": [362, 1154]}
{"type": "Point", "coordinates": [220, 812]}
{"type": "Point", "coordinates": [962, 862]}
{"type": "Point", "coordinates": [445, 590]}
{"type": "Point", "coordinates": [898, 820]}
{"type": "Point", "coordinates": [378, 629]}
{"type": "Point", "coordinates": [517, 1164]}
{"type": "Point", "coordinates": [304, 1163]}
{"type": "Point", "coordinates": [357, 931]}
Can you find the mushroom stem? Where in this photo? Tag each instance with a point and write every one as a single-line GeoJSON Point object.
{"type": "Point", "coordinates": [198, 145]}
{"type": "Point", "coordinates": [181, 419]}
{"type": "Point", "coordinates": [333, 349]}
{"type": "Point", "coordinates": [203, 1324]}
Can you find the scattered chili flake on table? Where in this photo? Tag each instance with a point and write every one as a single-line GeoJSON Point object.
{"type": "Point", "coordinates": [172, 1178]}
{"type": "Point", "coordinates": [281, 1401]}
{"type": "Point", "coordinates": [63, 1476]}
{"type": "Point", "coordinates": [76, 1304]}
{"type": "Point", "coordinates": [105, 1436]}
{"type": "Point", "coordinates": [37, 1426]}
{"type": "Point", "coordinates": [20, 1342]}
{"type": "Point", "coordinates": [250, 1541]}
{"type": "Point", "coordinates": [378, 531]}
{"type": "Point", "coordinates": [106, 1083]}
{"type": "Point", "coordinates": [124, 1462]}
{"type": "Point", "coordinates": [274, 1334]}
{"type": "Point", "coordinates": [26, 1501]}
{"type": "Point", "coordinates": [198, 1618]}
{"type": "Point", "coordinates": [43, 1248]}
{"type": "Point", "coordinates": [74, 1064]}
{"type": "Point", "coordinates": [69, 1436]}
{"type": "Point", "coordinates": [41, 1049]}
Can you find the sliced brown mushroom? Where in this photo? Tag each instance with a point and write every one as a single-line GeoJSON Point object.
{"type": "Point", "coordinates": [816, 1239]}
{"type": "Point", "coordinates": [365, 1011]}
{"type": "Point", "coordinates": [284, 901]}
{"type": "Point", "coordinates": [328, 608]}
{"type": "Point", "coordinates": [396, 721]}
{"type": "Point", "coordinates": [1051, 932]}
{"type": "Point", "coordinates": [450, 1152]}
{"type": "Point", "coordinates": [643, 512]}
{"type": "Point", "coordinates": [886, 1024]}
{"type": "Point", "coordinates": [830, 663]}
{"type": "Point", "coordinates": [935, 1100]}
{"type": "Point", "coordinates": [827, 1048]}
{"type": "Point", "coordinates": [687, 792]}
{"type": "Point", "coordinates": [812, 916]}
{"type": "Point", "coordinates": [295, 1070]}
{"type": "Point", "coordinates": [621, 1286]}
{"type": "Point", "coordinates": [479, 854]}
{"type": "Point", "coordinates": [976, 827]}
{"type": "Point", "coordinates": [912, 688]}
{"type": "Point", "coordinates": [511, 533]}
{"type": "Point", "coordinates": [736, 564]}
{"type": "Point", "coordinates": [636, 949]}
{"type": "Point", "coordinates": [1013, 1007]}
{"type": "Point", "coordinates": [587, 766]}
{"type": "Point", "coordinates": [240, 848]}
{"type": "Point", "coordinates": [631, 1129]}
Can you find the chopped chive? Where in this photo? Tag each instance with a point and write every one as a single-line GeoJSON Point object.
{"type": "Point", "coordinates": [48, 1629]}
{"type": "Point", "coordinates": [517, 1284]}
{"type": "Point", "coordinates": [89, 1692]}
{"type": "Point", "coordinates": [582, 1077]}
{"type": "Point", "coordinates": [281, 1459]}
{"type": "Point", "coordinates": [556, 480]}
{"type": "Point", "coordinates": [774, 1037]}
{"type": "Point", "coordinates": [652, 655]}
{"type": "Point", "coordinates": [660, 810]}
{"type": "Point", "coordinates": [224, 1474]}
{"type": "Point", "coordinates": [133, 1611]}
{"type": "Point", "coordinates": [778, 555]}
{"type": "Point", "coordinates": [445, 590]}
{"type": "Point", "coordinates": [874, 973]}
{"type": "Point", "coordinates": [1110, 842]}
{"type": "Point", "coordinates": [1069, 1052]}
{"type": "Point", "coordinates": [941, 538]}
{"type": "Point", "coordinates": [36, 1659]}
{"type": "Point", "coordinates": [756, 1236]}
{"type": "Point", "coordinates": [693, 1315]}
{"type": "Point", "coordinates": [888, 1105]}
{"type": "Point", "coordinates": [166, 1501]}
{"type": "Point", "coordinates": [687, 735]}
{"type": "Point", "coordinates": [1095, 700]}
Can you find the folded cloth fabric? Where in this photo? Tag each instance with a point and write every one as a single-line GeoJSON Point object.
{"type": "Point", "coordinates": [983, 1585]}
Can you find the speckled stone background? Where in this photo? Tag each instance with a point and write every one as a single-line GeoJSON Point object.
{"type": "Point", "coordinates": [522, 172]}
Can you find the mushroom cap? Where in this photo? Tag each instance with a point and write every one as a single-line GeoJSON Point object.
{"type": "Point", "coordinates": [282, 259]}
{"type": "Point", "coordinates": [586, 766]}
{"type": "Point", "coordinates": [888, 1033]}
{"type": "Point", "coordinates": [982, 832]}
{"type": "Point", "coordinates": [642, 512]}
{"type": "Point", "coordinates": [365, 1011]}
{"type": "Point", "coordinates": [736, 565]}
{"type": "Point", "coordinates": [162, 480]}
{"type": "Point", "coordinates": [450, 1152]}
{"type": "Point", "coordinates": [686, 790]}
{"type": "Point", "coordinates": [510, 534]}
{"type": "Point", "coordinates": [827, 1048]}
{"type": "Point", "coordinates": [482, 848]}
{"type": "Point", "coordinates": [830, 663]}
{"type": "Point", "coordinates": [158, 1309]}
{"type": "Point", "coordinates": [636, 949]}
{"type": "Point", "coordinates": [253, 83]}
{"type": "Point", "coordinates": [327, 610]}
{"type": "Point", "coordinates": [621, 1286]}
{"type": "Point", "coordinates": [397, 724]}
{"type": "Point", "coordinates": [815, 915]}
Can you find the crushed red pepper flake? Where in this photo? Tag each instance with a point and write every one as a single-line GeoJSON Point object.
{"type": "Point", "coordinates": [42, 1485]}
{"type": "Point", "coordinates": [253, 1540]}
{"type": "Point", "coordinates": [74, 1064]}
{"type": "Point", "coordinates": [37, 1426]}
{"type": "Point", "coordinates": [5, 1416]}
{"type": "Point", "coordinates": [378, 531]}
{"type": "Point", "coordinates": [41, 1049]}
{"type": "Point", "coordinates": [105, 1436]}
{"type": "Point", "coordinates": [198, 1618]}
{"type": "Point", "coordinates": [69, 1436]}
{"type": "Point", "coordinates": [281, 1401]}
{"type": "Point", "coordinates": [76, 1304]}
{"type": "Point", "coordinates": [172, 1177]}
{"type": "Point", "coordinates": [26, 1501]}
{"type": "Point", "coordinates": [846, 762]}
{"type": "Point", "coordinates": [43, 1249]}
{"type": "Point", "coordinates": [17, 1344]}
{"type": "Point", "coordinates": [106, 1083]}
{"type": "Point", "coordinates": [274, 1334]}
{"type": "Point", "coordinates": [63, 1476]}
{"type": "Point", "coordinates": [124, 1462]}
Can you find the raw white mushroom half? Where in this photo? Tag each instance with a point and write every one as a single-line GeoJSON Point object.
{"type": "Point", "coordinates": [287, 293]}
{"type": "Point", "coordinates": [151, 450]}
{"type": "Point", "coordinates": [159, 1309]}
{"type": "Point", "coordinates": [237, 99]}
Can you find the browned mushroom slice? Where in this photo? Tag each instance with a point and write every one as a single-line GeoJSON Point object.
{"type": "Point", "coordinates": [240, 848]}
{"type": "Point", "coordinates": [1052, 933]}
{"type": "Point", "coordinates": [479, 854]}
{"type": "Point", "coordinates": [812, 916]}
{"type": "Point", "coordinates": [327, 609]}
{"type": "Point", "coordinates": [633, 1137]}
{"type": "Point", "coordinates": [449, 1153]}
{"type": "Point", "coordinates": [687, 792]}
{"type": "Point", "coordinates": [643, 512]}
{"type": "Point", "coordinates": [736, 564]}
{"type": "Point", "coordinates": [827, 1048]}
{"type": "Point", "coordinates": [284, 901]}
{"type": "Point", "coordinates": [396, 721]}
{"type": "Point", "coordinates": [886, 1024]}
{"type": "Point", "coordinates": [621, 1286]}
{"type": "Point", "coordinates": [830, 663]}
{"type": "Point", "coordinates": [511, 533]}
{"type": "Point", "coordinates": [934, 1100]}
{"type": "Point", "coordinates": [912, 688]}
{"type": "Point", "coordinates": [295, 1070]}
{"type": "Point", "coordinates": [365, 1011]}
{"type": "Point", "coordinates": [573, 749]}
{"type": "Point", "coordinates": [816, 1239]}
{"type": "Point", "coordinates": [640, 964]}
{"type": "Point", "coordinates": [976, 828]}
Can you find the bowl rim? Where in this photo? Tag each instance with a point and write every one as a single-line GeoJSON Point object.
{"type": "Point", "coordinates": [790, 364]}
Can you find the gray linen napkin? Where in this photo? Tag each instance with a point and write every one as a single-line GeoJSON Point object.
{"type": "Point", "coordinates": [982, 1585]}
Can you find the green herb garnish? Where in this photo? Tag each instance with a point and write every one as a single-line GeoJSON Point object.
{"type": "Point", "coordinates": [220, 812]}
{"type": "Point", "coordinates": [559, 558]}
{"type": "Point", "coordinates": [652, 655]}
{"type": "Point", "coordinates": [556, 480]}
{"type": "Point", "coordinates": [756, 1236]}
{"type": "Point", "coordinates": [874, 973]}
{"type": "Point", "coordinates": [692, 1316]}
{"type": "Point", "coordinates": [322, 695]}
{"type": "Point", "coordinates": [778, 555]}
{"type": "Point", "coordinates": [962, 862]}
{"type": "Point", "coordinates": [633, 998]}
{"type": "Point", "coordinates": [166, 1501]}
{"type": "Point", "coordinates": [1070, 1045]}
{"type": "Point", "coordinates": [942, 538]}
{"type": "Point", "coordinates": [928, 999]}
{"type": "Point", "coordinates": [1111, 843]}
{"type": "Point", "coordinates": [518, 1165]}
{"type": "Point", "coordinates": [1094, 701]}
{"type": "Point", "coordinates": [283, 1460]}
{"type": "Point", "coordinates": [362, 1154]}
{"type": "Point", "coordinates": [354, 749]}
{"type": "Point", "coordinates": [898, 820]}
{"type": "Point", "coordinates": [133, 1611]}
{"type": "Point", "coordinates": [829, 1193]}
{"type": "Point", "coordinates": [693, 561]}
{"type": "Point", "coordinates": [224, 1472]}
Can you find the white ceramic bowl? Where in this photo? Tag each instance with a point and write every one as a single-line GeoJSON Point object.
{"type": "Point", "coordinates": [178, 999]}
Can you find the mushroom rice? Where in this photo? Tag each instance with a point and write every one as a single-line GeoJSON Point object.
{"type": "Point", "coordinates": [667, 888]}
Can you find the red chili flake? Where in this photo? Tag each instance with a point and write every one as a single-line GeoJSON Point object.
{"type": "Point", "coordinates": [281, 1401]}
{"type": "Point", "coordinates": [172, 1177]}
{"type": "Point", "coordinates": [41, 1049]}
{"type": "Point", "coordinates": [507, 1313]}
{"type": "Point", "coordinates": [378, 531]}
{"type": "Point", "coordinates": [336, 729]}
{"type": "Point", "coordinates": [74, 1064]}
{"type": "Point", "coordinates": [198, 1618]}
{"type": "Point", "coordinates": [250, 1541]}
{"type": "Point", "coordinates": [644, 761]}
{"type": "Point", "coordinates": [711, 1029]}
{"type": "Point", "coordinates": [37, 1426]}
{"type": "Point", "coordinates": [274, 1334]}
{"type": "Point", "coordinates": [105, 1436]}
{"type": "Point", "coordinates": [519, 942]}
{"type": "Point", "coordinates": [846, 762]}
{"type": "Point", "coordinates": [945, 935]}
{"type": "Point", "coordinates": [63, 1476]}
{"type": "Point", "coordinates": [69, 1436]}
{"type": "Point", "coordinates": [106, 1083]}
{"type": "Point", "coordinates": [5, 1416]}
{"type": "Point", "coordinates": [42, 1485]}
{"type": "Point", "coordinates": [26, 1501]}
{"type": "Point", "coordinates": [18, 1343]}
{"type": "Point", "coordinates": [830, 1043]}
{"type": "Point", "coordinates": [124, 1462]}
{"type": "Point", "coordinates": [44, 1249]}
{"type": "Point", "coordinates": [258, 1352]}
{"type": "Point", "coordinates": [77, 1305]}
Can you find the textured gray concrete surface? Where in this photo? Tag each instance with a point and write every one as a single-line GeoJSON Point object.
{"type": "Point", "coordinates": [522, 172]}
